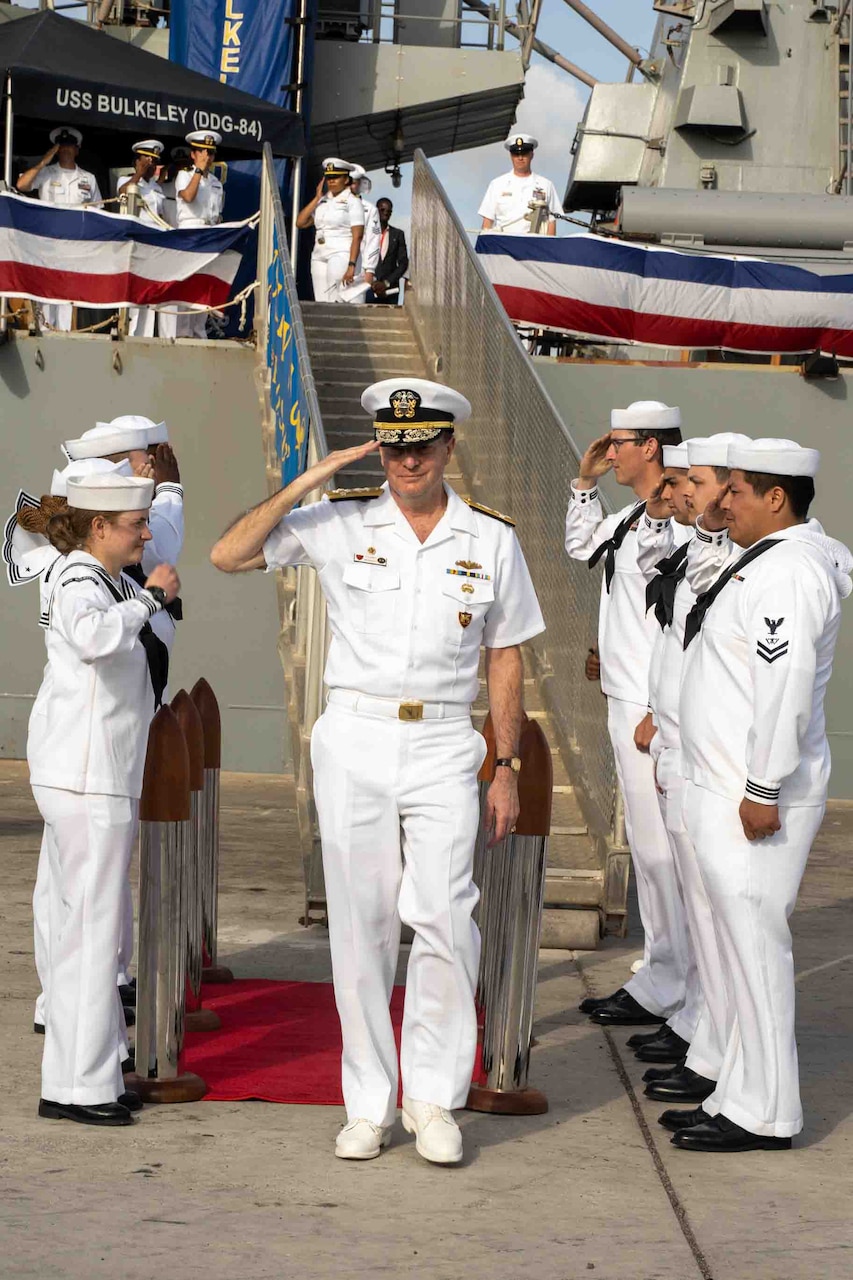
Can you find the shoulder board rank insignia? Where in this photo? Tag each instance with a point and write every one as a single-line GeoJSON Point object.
{"type": "Point", "coordinates": [487, 511]}
{"type": "Point", "coordinates": [353, 495]}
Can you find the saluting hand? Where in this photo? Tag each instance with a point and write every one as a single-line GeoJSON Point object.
{"type": "Point", "coordinates": [50, 155]}
{"type": "Point", "coordinates": [164, 576]}
{"type": "Point", "coordinates": [713, 517]}
{"type": "Point", "coordinates": [595, 462]}
{"type": "Point", "coordinates": [144, 469]}
{"type": "Point", "coordinates": [165, 465]}
{"type": "Point", "coordinates": [333, 462]}
{"type": "Point", "coordinates": [659, 507]}
{"type": "Point", "coordinates": [759, 820]}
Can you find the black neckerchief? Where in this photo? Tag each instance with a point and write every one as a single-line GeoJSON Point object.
{"type": "Point", "coordinates": [612, 544]}
{"type": "Point", "coordinates": [156, 652]}
{"type": "Point", "coordinates": [660, 593]}
{"type": "Point", "coordinates": [696, 616]}
{"type": "Point", "coordinates": [174, 608]}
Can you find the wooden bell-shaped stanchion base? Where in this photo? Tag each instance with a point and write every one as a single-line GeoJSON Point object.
{"type": "Point", "coordinates": [187, 1087]}
{"type": "Point", "coordinates": [507, 1102]}
{"type": "Point", "coordinates": [208, 710]}
{"type": "Point", "coordinates": [535, 783]}
{"type": "Point", "coordinates": [202, 1020]}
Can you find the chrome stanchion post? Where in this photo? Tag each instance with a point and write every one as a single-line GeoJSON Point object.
{"type": "Point", "coordinates": [208, 708]}
{"type": "Point", "coordinates": [512, 894]}
{"type": "Point", "coordinates": [164, 814]}
{"type": "Point", "coordinates": [197, 1019]}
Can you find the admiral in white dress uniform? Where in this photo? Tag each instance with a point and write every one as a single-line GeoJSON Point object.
{"type": "Point", "coordinates": [338, 217]}
{"type": "Point", "coordinates": [86, 752]}
{"type": "Point", "coordinates": [59, 180]}
{"type": "Point", "coordinates": [759, 650]}
{"type": "Point", "coordinates": [506, 205]}
{"type": "Point", "coordinates": [626, 635]}
{"type": "Point", "coordinates": [416, 580]}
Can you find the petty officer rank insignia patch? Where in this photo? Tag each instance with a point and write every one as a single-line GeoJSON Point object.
{"type": "Point", "coordinates": [772, 646]}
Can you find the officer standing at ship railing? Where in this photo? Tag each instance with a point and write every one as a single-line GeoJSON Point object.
{"type": "Point", "coordinates": [200, 197]}
{"type": "Point", "coordinates": [506, 204]}
{"type": "Point", "coordinates": [416, 580]}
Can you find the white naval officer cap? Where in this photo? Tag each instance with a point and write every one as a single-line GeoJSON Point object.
{"type": "Point", "coordinates": [333, 167]}
{"type": "Point", "coordinates": [110, 493]}
{"type": "Point", "coordinates": [675, 455]}
{"type": "Point", "coordinates": [148, 147]}
{"type": "Point", "coordinates": [774, 458]}
{"type": "Point", "coordinates": [204, 139]}
{"type": "Point", "coordinates": [413, 410]}
{"type": "Point", "coordinates": [157, 432]}
{"type": "Point", "coordinates": [646, 415]}
{"type": "Point", "coordinates": [86, 467]}
{"type": "Point", "coordinates": [64, 134]}
{"type": "Point", "coordinates": [713, 451]}
{"type": "Point", "coordinates": [104, 438]}
{"type": "Point", "coordinates": [520, 142]}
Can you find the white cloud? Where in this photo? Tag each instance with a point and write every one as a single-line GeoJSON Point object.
{"type": "Point", "coordinates": [553, 104]}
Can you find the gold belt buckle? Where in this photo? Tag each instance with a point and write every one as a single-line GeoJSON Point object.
{"type": "Point", "coordinates": [411, 710]}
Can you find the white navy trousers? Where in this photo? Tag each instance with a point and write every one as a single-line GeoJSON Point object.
{"type": "Point", "coordinates": [752, 887]}
{"type": "Point", "coordinates": [89, 843]}
{"type": "Point", "coordinates": [660, 986]}
{"type": "Point", "coordinates": [398, 809]}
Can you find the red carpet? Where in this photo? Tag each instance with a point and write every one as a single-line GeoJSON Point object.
{"type": "Point", "coordinates": [279, 1041]}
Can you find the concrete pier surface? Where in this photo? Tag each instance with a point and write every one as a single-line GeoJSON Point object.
{"type": "Point", "coordinates": [247, 1191]}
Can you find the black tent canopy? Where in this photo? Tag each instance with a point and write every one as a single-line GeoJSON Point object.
{"type": "Point", "coordinates": [64, 72]}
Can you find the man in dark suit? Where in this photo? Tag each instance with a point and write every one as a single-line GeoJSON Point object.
{"type": "Point", "coordinates": [393, 258]}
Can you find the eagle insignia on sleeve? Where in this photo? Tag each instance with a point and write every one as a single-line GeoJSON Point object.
{"type": "Point", "coordinates": [772, 646]}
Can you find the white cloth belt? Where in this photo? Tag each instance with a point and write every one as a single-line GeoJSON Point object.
{"type": "Point", "coordinates": [406, 709]}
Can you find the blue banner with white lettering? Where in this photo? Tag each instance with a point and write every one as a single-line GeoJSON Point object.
{"type": "Point", "coordinates": [287, 396]}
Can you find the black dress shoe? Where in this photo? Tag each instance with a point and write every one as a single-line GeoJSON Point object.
{"type": "Point", "coordinates": [128, 1064]}
{"type": "Point", "coordinates": [663, 1073]}
{"type": "Point", "coordinates": [622, 1010]}
{"type": "Point", "coordinates": [128, 996]}
{"type": "Point", "coordinates": [682, 1086]}
{"type": "Point", "coordinates": [38, 1027]}
{"type": "Point", "coordinates": [677, 1120]}
{"type": "Point", "coordinates": [129, 1016]}
{"type": "Point", "coordinates": [130, 1101]}
{"type": "Point", "coordinates": [105, 1113]}
{"type": "Point", "coordinates": [669, 1048]}
{"type": "Point", "coordinates": [640, 1038]}
{"type": "Point", "coordinates": [591, 1003]}
{"type": "Point", "coordinates": [721, 1134]}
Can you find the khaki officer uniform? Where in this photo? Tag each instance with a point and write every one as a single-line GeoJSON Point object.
{"type": "Point", "coordinates": [141, 320]}
{"type": "Point", "coordinates": [70, 188]}
{"type": "Point", "coordinates": [758, 659]}
{"type": "Point", "coordinates": [396, 757]}
{"type": "Point", "coordinates": [204, 211]}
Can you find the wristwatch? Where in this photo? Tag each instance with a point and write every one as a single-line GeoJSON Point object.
{"type": "Point", "coordinates": [351, 263]}
{"type": "Point", "coordinates": [159, 595]}
{"type": "Point", "coordinates": [509, 762]}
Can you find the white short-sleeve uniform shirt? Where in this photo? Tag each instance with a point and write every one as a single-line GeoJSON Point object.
{"type": "Point", "coordinates": [56, 185]}
{"type": "Point", "coordinates": [206, 209]}
{"type": "Point", "coordinates": [153, 199]}
{"type": "Point", "coordinates": [408, 618]}
{"type": "Point", "coordinates": [507, 199]}
{"type": "Point", "coordinates": [335, 217]}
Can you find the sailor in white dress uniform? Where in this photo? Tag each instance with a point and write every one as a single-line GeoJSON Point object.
{"type": "Point", "coordinates": [200, 197]}
{"type": "Point", "coordinates": [626, 635]}
{"type": "Point", "coordinates": [86, 751]}
{"type": "Point", "coordinates": [506, 205]}
{"type": "Point", "coordinates": [148, 155]}
{"type": "Point", "coordinates": [61, 183]}
{"type": "Point", "coordinates": [338, 218]}
{"type": "Point", "coordinates": [368, 259]}
{"type": "Point", "coordinates": [413, 591]}
{"type": "Point", "coordinates": [759, 650]}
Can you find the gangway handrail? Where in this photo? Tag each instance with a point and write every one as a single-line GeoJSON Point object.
{"type": "Point", "coordinates": [518, 455]}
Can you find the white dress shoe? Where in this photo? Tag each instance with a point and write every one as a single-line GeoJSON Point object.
{"type": "Point", "coordinates": [438, 1136]}
{"type": "Point", "coordinates": [361, 1140]}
